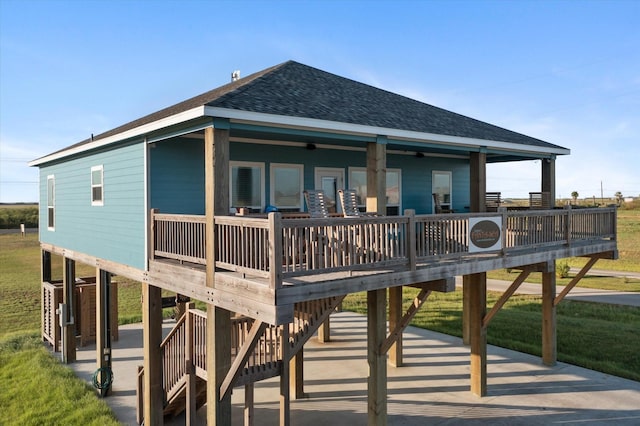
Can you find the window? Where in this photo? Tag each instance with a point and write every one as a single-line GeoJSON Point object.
{"type": "Point", "coordinates": [358, 181]}
{"type": "Point", "coordinates": [246, 185]}
{"type": "Point", "coordinates": [393, 192]}
{"type": "Point", "coordinates": [97, 192]}
{"type": "Point", "coordinates": [287, 186]}
{"type": "Point", "coordinates": [51, 202]}
{"type": "Point", "coordinates": [441, 185]}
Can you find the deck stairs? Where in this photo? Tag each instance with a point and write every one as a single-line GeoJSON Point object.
{"type": "Point", "coordinates": [185, 346]}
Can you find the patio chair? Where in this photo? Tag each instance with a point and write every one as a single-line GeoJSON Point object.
{"type": "Point", "coordinates": [438, 207]}
{"type": "Point", "coordinates": [540, 201]}
{"type": "Point", "coordinates": [349, 202]}
{"type": "Point", "coordinates": [316, 203]}
{"type": "Point", "coordinates": [493, 201]}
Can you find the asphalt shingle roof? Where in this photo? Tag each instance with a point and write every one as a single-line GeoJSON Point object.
{"type": "Point", "coordinates": [294, 89]}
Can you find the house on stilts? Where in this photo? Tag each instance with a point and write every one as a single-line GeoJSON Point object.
{"type": "Point", "coordinates": [206, 199]}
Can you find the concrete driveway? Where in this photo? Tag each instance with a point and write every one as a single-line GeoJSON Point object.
{"type": "Point", "coordinates": [433, 388]}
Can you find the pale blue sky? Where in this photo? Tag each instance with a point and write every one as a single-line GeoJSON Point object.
{"type": "Point", "coordinates": [567, 72]}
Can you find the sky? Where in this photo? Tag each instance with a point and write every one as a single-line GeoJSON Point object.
{"type": "Point", "coordinates": [567, 72]}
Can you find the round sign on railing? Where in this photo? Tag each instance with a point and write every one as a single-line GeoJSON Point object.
{"type": "Point", "coordinates": [485, 234]}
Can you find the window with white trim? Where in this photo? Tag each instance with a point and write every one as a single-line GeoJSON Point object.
{"type": "Point", "coordinates": [246, 185]}
{"type": "Point", "coordinates": [287, 181]}
{"type": "Point", "coordinates": [358, 181]}
{"type": "Point", "coordinates": [97, 186]}
{"type": "Point", "coordinates": [51, 202]}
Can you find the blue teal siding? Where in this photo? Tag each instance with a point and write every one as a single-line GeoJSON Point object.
{"type": "Point", "coordinates": [114, 231]}
{"type": "Point", "coordinates": [417, 181]}
{"type": "Point", "coordinates": [176, 179]}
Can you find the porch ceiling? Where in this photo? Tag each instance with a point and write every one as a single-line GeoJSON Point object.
{"type": "Point", "coordinates": [320, 139]}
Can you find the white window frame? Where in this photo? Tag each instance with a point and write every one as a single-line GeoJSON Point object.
{"type": "Point", "coordinates": [364, 196]}
{"type": "Point", "coordinates": [99, 202]}
{"type": "Point", "coordinates": [399, 204]}
{"type": "Point", "coordinates": [51, 203]}
{"type": "Point", "coordinates": [272, 184]}
{"type": "Point", "coordinates": [259, 165]}
{"type": "Point", "coordinates": [350, 185]}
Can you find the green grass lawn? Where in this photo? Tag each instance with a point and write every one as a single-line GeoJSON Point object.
{"type": "Point", "coordinates": [35, 389]}
{"type": "Point", "coordinates": [628, 245]}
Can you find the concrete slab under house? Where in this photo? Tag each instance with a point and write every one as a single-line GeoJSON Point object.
{"type": "Point", "coordinates": [206, 199]}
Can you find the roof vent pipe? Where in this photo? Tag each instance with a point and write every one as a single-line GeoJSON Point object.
{"type": "Point", "coordinates": [235, 76]}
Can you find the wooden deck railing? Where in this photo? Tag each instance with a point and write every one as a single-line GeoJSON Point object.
{"type": "Point", "coordinates": [307, 246]}
{"type": "Point", "coordinates": [186, 345]}
{"type": "Point", "coordinates": [174, 354]}
{"type": "Point", "coordinates": [337, 244]}
{"type": "Point", "coordinates": [180, 237]}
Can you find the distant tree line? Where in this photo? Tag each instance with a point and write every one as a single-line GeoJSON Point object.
{"type": "Point", "coordinates": [11, 217]}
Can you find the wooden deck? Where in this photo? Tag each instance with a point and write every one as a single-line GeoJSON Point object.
{"type": "Point", "coordinates": [262, 276]}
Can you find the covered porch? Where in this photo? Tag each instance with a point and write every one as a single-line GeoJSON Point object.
{"type": "Point", "coordinates": [262, 267]}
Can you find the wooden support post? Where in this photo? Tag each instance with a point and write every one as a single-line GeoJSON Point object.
{"type": "Point", "coordinates": [275, 251]}
{"type": "Point", "coordinates": [285, 397]}
{"type": "Point", "coordinates": [45, 315]}
{"type": "Point", "coordinates": [296, 382]}
{"type": "Point", "coordinates": [478, 333]}
{"type": "Point", "coordinates": [549, 348]}
{"type": "Point", "coordinates": [466, 303]}
{"type": "Point", "coordinates": [478, 188]}
{"type": "Point", "coordinates": [190, 408]}
{"type": "Point", "coordinates": [477, 203]}
{"type": "Point", "coordinates": [68, 296]}
{"type": "Point", "coordinates": [103, 329]}
{"type": "Point", "coordinates": [218, 339]}
{"type": "Point", "coordinates": [152, 338]}
{"type": "Point", "coordinates": [218, 364]}
{"type": "Point", "coordinates": [324, 331]}
{"type": "Point", "coordinates": [549, 179]}
{"type": "Point", "coordinates": [248, 404]}
{"type": "Point", "coordinates": [377, 380]}
{"type": "Point", "coordinates": [45, 270]}
{"type": "Point", "coordinates": [411, 238]}
{"type": "Point", "coordinates": [395, 317]}
{"type": "Point", "coordinates": [377, 177]}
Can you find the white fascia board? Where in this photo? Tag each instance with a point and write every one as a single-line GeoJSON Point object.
{"type": "Point", "coordinates": [137, 131]}
{"type": "Point", "coordinates": [359, 129]}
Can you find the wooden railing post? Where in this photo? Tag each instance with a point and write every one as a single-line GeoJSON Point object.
{"type": "Point", "coordinates": [615, 222]}
{"type": "Point", "coordinates": [567, 231]}
{"type": "Point", "coordinates": [411, 238]}
{"type": "Point", "coordinates": [140, 395]}
{"type": "Point", "coordinates": [152, 233]}
{"type": "Point", "coordinates": [275, 250]}
{"type": "Point", "coordinates": [190, 409]}
{"type": "Point", "coordinates": [505, 218]}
